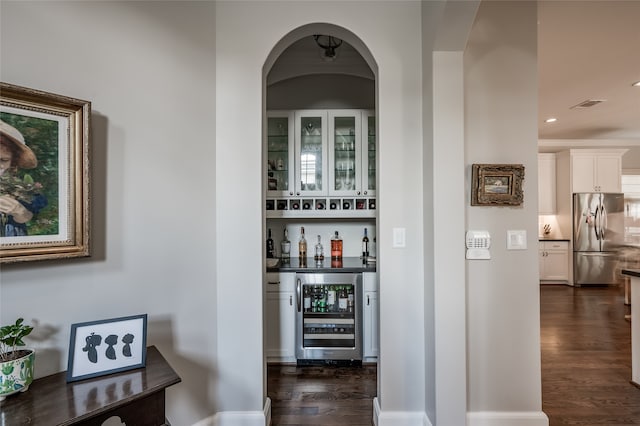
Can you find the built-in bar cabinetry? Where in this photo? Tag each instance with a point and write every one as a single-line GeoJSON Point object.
{"type": "Point", "coordinates": [553, 261]}
{"type": "Point", "coordinates": [320, 163]}
{"type": "Point", "coordinates": [547, 183]}
{"type": "Point", "coordinates": [370, 344]}
{"type": "Point", "coordinates": [280, 317]}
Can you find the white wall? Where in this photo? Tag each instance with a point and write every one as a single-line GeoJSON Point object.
{"type": "Point", "coordinates": [149, 70]}
{"type": "Point", "coordinates": [503, 323]}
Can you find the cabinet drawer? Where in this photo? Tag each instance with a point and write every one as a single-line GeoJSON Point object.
{"type": "Point", "coordinates": [275, 282]}
{"type": "Point", "coordinates": [554, 245]}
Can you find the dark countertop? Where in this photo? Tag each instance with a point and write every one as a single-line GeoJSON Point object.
{"type": "Point", "coordinates": [552, 239]}
{"type": "Point", "coordinates": [348, 264]}
{"type": "Point", "coordinates": [631, 272]}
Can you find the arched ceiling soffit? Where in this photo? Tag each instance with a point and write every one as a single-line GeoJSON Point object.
{"type": "Point", "coordinates": [304, 57]}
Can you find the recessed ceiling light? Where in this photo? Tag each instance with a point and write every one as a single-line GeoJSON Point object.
{"type": "Point", "coordinates": [636, 84]}
{"type": "Point", "coordinates": [551, 120]}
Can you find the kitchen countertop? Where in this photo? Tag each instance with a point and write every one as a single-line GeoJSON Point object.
{"type": "Point", "coordinates": [631, 272]}
{"type": "Point", "coordinates": [552, 239]}
{"type": "Point", "coordinates": [348, 264]}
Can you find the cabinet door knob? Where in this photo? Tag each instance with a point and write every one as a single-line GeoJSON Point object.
{"type": "Point", "coordinates": [365, 192]}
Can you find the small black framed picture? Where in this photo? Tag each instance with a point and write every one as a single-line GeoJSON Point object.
{"type": "Point", "coordinates": [98, 348]}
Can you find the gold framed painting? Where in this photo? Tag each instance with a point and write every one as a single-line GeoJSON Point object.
{"type": "Point", "coordinates": [44, 175]}
{"type": "Point", "coordinates": [497, 184]}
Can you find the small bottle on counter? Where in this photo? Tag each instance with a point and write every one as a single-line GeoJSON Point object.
{"type": "Point", "coordinates": [336, 247]}
{"type": "Point", "coordinates": [286, 245]}
{"type": "Point", "coordinates": [319, 251]}
{"type": "Point", "coordinates": [365, 246]}
{"type": "Point", "coordinates": [302, 244]}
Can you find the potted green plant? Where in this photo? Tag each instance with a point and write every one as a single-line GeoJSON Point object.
{"type": "Point", "coordinates": [16, 365]}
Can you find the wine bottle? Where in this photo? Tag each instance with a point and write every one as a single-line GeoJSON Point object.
{"type": "Point", "coordinates": [286, 245]}
{"type": "Point", "coordinates": [270, 248]}
{"type": "Point", "coordinates": [365, 245]}
{"type": "Point", "coordinates": [302, 244]}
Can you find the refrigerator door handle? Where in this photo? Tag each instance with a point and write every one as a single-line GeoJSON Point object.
{"type": "Point", "coordinates": [298, 293]}
{"type": "Point", "coordinates": [603, 221]}
{"type": "Point", "coordinates": [596, 221]}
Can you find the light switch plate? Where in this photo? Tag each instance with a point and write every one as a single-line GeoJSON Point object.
{"type": "Point", "coordinates": [516, 240]}
{"type": "Point", "coordinates": [399, 237]}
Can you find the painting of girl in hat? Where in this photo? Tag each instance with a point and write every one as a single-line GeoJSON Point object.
{"type": "Point", "coordinates": [21, 196]}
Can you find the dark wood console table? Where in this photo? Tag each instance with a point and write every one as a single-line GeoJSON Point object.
{"type": "Point", "coordinates": [136, 396]}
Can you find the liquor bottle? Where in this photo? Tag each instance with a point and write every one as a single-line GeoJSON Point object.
{"type": "Point", "coordinates": [365, 245]}
{"type": "Point", "coordinates": [270, 248]}
{"type": "Point", "coordinates": [336, 247]}
{"type": "Point", "coordinates": [319, 251]}
{"type": "Point", "coordinates": [302, 244]}
{"type": "Point", "coordinates": [286, 245]}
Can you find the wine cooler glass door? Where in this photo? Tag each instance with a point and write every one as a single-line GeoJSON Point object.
{"type": "Point", "coordinates": [329, 323]}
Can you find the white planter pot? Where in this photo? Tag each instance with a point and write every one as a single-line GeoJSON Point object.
{"type": "Point", "coordinates": [16, 375]}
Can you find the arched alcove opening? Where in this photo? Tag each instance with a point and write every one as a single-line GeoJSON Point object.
{"type": "Point", "coordinates": [297, 75]}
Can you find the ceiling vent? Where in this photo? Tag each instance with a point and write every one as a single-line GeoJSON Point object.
{"type": "Point", "coordinates": [588, 103]}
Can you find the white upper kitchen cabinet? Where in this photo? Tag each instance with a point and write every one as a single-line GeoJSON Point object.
{"type": "Point", "coordinates": [547, 183]}
{"type": "Point", "coordinates": [596, 170]}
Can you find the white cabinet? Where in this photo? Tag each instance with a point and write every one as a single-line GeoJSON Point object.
{"type": "Point", "coordinates": [279, 317]}
{"type": "Point", "coordinates": [370, 329]}
{"type": "Point", "coordinates": [311, 153]}
{"type": "Point", "coordinates": [596, 170]}
{"type": "Point", "coordinates": [547, 183]}
{"type": "Point", "coordinates": [320, 163]}
{"type": "Point", "coordinates": [279, 152]}
{"type": "Point", "coordinates": [554, 261]}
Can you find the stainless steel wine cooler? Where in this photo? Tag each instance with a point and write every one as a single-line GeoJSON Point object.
{"type": "Point", "coordinates": [329, 317]}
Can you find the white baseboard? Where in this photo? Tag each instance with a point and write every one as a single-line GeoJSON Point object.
{"type": "Point", "coordinates": [398, 418]}
{"type": "Point", "coordinates": [240, 418]}
{"type": "Point", "coordinates": [506, 418]}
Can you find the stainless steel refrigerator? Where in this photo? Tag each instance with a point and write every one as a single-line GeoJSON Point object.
{"type": "Point", "coordinates": [598, 233]}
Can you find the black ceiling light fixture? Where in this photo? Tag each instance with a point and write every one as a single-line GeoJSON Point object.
{"type": "Point", "coordinates": [329, 44]}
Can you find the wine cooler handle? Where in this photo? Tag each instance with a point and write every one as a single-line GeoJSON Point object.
{"type": "Point", "coordinates": [298, 294]}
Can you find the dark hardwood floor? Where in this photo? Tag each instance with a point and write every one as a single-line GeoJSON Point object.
{"type": "Point", "coordinates": [586, 357]}
{"type": "Point", "coordinates": [586, 368]}
{"type": "Point", "coordinates": [319, 395]}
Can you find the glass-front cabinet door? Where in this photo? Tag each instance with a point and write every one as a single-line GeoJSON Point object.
{"type": "Point", "coordinates": [344, 153]}
{"type": "Point", "coordinates": [369, 153]}
{"type": "Point", "coordinates": [311, 153]}
{"type": "Point", "coordinates": [280, 158]}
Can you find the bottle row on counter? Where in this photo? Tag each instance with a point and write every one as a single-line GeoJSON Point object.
{"type": "Point", "coordinates": [318, 249]}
